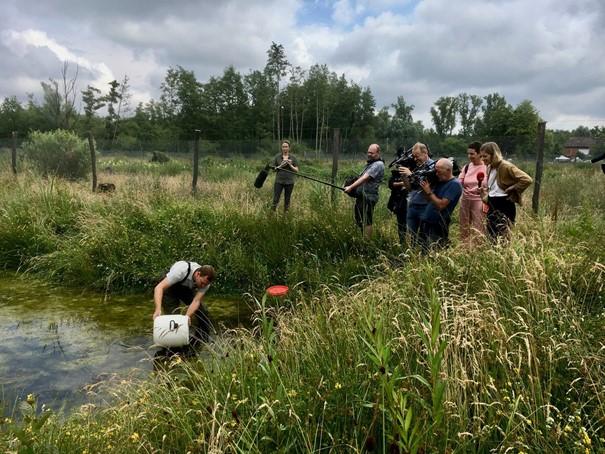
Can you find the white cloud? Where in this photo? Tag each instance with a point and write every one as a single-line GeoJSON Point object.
{"type": "Point", "coordinates": [549, 51]}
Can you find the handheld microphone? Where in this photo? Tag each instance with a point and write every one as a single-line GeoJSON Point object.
{"type": "Point", "coordinates": [480, 177]}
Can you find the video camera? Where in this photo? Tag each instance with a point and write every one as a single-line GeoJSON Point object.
{"type": "Point", "coordinates": [425, 172]}
{"type": "Point", "coordinates": [403, 158]}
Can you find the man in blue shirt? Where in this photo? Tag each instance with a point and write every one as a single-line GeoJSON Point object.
{"type": "Point", "coordinates": [442, 199]}
{"type": "Point", "coordinates": [367, 184]}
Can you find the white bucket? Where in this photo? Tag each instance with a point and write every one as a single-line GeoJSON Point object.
{"type": "Point", "coordinates": [171, 330]}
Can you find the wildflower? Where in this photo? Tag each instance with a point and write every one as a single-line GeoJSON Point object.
{"type": "Point", "coordinates": [549, 421]}
{"type": "Point", "coordinates": [567, 428]}
{"type": "Point", "coordinates": [292, 393]}
{"type": "Point", "coordinates": [31, 399]}
{"type": "Point", "coordinates": [135, 437]}
{"type": "Point", "coordinates": [337, 386]}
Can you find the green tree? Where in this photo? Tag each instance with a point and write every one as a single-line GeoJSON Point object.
{"type": "Point", "coordinates": [402, 129]}
{"type": "Point", "coordinates": [444, 115]}
{"type": "Point", "coordinates": [469, 107]}
{"type": "Point", "coordinates": [12, 116]}
{"type": "Point", "coordinates": [275, 69]}
{"type": "Point", "coordinates": [181, 102]}
{"type": "Point", "coordinates": [496, 122]}
{"type": "Point", "coordinates": [524, 128]}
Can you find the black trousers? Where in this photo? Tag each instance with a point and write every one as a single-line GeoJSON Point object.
{"type": "Point", "coordinates": [500, 217]}
{"type": "Point", "coordinates": [277, 190]}
{"type": "Point", "coordinates": [402, 226]}
{"type": "Point", "coordinates": [434, 235]}
{"type": "Point", "coordinates": [364, 211]}
{"type": "Point", "coordinates": [200, 322]}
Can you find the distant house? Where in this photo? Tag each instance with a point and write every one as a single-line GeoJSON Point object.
{"type": "Point", "coordinates": [579, 147]}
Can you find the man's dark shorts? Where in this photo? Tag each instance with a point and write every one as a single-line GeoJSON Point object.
{"type": "Point", "coordinates": [200, 322]}
{"type": "Point", "coordinates": [364, 211]}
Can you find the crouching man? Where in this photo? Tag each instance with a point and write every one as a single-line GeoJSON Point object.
{"type": "Point", "coordinates": [443, 198]}
{"type": "Point", "coordinates": [186, 283]}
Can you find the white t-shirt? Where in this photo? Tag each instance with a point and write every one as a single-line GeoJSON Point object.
{"type": "Point", "coordinates": [179, 270]}
{"type": "Point", "coordinates": [492, 185]}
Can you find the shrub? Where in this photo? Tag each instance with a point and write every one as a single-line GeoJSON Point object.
{"type": "Point", "coordinates": [59, 153]}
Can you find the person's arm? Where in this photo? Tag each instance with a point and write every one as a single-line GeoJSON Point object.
{"type": "Point", "coordinates": [522, 180]}
{"type": "Point", "coordinates": [158, 294]}
{"type": "Point", "coordinates": [195, 305]}
{"type": "Point", "coordinates": [361, 180]}
{"type": "Point", "coordinates": [405, 172]}
{"type": "Point", "coordinates": [293, 164]}
{"type": "Point", "coordinates": [438, 202]}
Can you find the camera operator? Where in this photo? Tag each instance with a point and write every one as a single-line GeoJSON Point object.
{"type": "Point", "coordinates": [417, 202]}
{"type": "Point", "coordinates": [367, 188]}
{"type": "Point", "coordinates": [442, 199]}
{"type": "Point", "coordinates": [398, 200]}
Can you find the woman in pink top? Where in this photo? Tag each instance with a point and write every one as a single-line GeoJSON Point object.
{"type": "Point", "coordinates": [471, 206]}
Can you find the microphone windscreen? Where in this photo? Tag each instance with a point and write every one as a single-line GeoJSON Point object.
{"type": "Point", "coordinates": [480, 177]}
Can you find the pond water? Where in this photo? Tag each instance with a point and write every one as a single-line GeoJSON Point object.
{"type": "Point", "coordinates": [55, 342]}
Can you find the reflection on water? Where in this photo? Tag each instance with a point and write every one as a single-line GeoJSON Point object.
{"type": "Point", "coordinates": [55, 342]}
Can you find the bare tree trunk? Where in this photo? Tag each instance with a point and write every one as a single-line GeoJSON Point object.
{"type": "Point", "coordinates": [69, 94]}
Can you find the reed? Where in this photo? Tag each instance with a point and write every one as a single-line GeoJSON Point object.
{"type": "Point", "coordinates": [498, 350]}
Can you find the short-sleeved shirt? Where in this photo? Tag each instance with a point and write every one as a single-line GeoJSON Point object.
{"type": "Point", "coordinates": [417, 196]}
{"type": "Point", "coordinates": [178, 272]}
{"type": "Point", "coordinates": [451, 190]}
{"type": "Point", "coordinates": [285, 177]}
{"type": "Point", "coordinates": [375, 170]}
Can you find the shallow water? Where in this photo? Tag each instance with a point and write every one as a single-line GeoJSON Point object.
{"type": "Point", "coordinates": [55, 342]}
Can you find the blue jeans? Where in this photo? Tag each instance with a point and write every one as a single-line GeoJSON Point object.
{"type": "Point", "coordinates": [413, 219]}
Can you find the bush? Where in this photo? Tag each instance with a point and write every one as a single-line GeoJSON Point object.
{"type": "Point", "coordinates": [59, 153]}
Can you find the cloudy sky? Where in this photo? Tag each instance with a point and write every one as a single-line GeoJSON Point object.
{"type": "Point", "coordinates": [549, 51]}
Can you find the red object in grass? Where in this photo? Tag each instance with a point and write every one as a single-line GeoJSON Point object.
{"type": "Point", "coordinates": [277, 290]}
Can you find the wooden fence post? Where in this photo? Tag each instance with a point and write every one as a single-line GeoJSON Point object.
{"type": "Point", "coordinates": [93, 160]}
{"type": "Point", "coordinates": [335, 155]}
{"type": "Point", "coordinates": [535, 201]}
{"type": "Point", "coordinates": [196, 157]}
{"type": "Point", "coordinates": [14, 153]}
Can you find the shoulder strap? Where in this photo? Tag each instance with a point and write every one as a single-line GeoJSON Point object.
{"type": "Point", "coordinates": [186, 274]}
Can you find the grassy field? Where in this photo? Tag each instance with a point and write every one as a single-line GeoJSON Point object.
{"type": "Point", "coordinates": [377, 348]}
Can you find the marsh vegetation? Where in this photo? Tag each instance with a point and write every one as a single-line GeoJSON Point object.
{"type": "Point", "coordinates": [375, 349]}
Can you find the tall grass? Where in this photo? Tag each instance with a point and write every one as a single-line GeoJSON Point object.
{"type": "Point", "coordinates": [498, 350]}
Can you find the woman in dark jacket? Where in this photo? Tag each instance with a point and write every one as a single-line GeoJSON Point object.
{"type": "Point", "coordinates": [284, 163]}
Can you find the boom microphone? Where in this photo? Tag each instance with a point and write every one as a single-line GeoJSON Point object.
{"type": "Point", "coordinates": [598, 158]}
{"type": "Point", "coordinates": [480, 177]}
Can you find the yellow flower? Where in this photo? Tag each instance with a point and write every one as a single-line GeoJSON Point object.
{"type": "Point", "coordinates": [292, 393]}
{"type": "Point", "coordinates": [31, 399]}
{"type": "Point", "coordinates": [337, 386]}
{"type": "Point", "coordinates": [135, 437]}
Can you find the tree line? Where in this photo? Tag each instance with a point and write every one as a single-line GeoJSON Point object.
{"type": "Point", "coordinates": [266, 105]}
